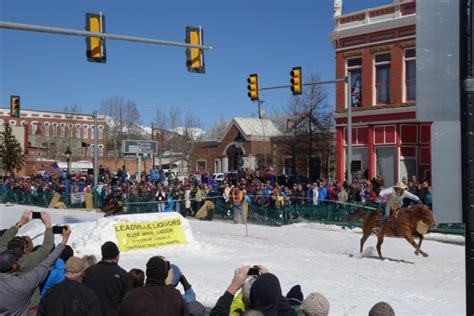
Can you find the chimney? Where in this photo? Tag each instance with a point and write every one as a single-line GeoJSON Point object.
{"type": "Point", "coordinates": [337, 8]}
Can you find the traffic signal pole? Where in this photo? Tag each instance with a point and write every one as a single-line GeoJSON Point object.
{"type": "Point", "coordinates": [467, 143]}
{"type": "Point", "coordinates": [72, 32]}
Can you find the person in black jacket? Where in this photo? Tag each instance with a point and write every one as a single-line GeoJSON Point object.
{"type": "Point", "coordinates": [222, 307]}
{"type": "Point", "coordinates": [70, 297]}
{"type": "Point", "coordinates": [108, 280]}
{"type": "Point", "coordinates": [158, 296]}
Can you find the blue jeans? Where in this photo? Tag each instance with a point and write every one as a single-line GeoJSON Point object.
{"type": "Point", "coordinates": [386, 213]}
{"type": "Point", "coordinates": [238, 208]}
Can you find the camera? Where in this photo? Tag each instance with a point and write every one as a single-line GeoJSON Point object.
{"type": "Point", "coordinates": [58, 229]}
{"type": "Point", "coordinates": [255, 270]}
{"type": "Point", "coordinates": [35, 215]}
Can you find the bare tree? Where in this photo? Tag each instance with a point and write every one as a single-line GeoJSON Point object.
{"type": "Point", "coordinates": [123, 120]}
{"type": "Point", "coordinates": [160, 133]}
{"type": "Point", "coordinates": [308, 128]}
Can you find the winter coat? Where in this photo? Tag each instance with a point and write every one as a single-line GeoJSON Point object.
{"type": "Point", "coordinates": [110, 283]}
{"type": "Point", "coordinates": [16, 290]}
{"type": "Point", "coordinates": [55, 276]}
{"type": "Point", "coordinates": [32, 259]}
{"type": "Point", "coordinates": [155, 298]}
{"type": "Point", "coordinates": [322, 195]}
{"type": "Point", "coordinates": [266, 297]}
{"type": "Point", "coordinates": [69, 298]}
{"type": "Point", "coordinates": [223, 304]}
{"type": "Point", "coordinates": [237, 307]}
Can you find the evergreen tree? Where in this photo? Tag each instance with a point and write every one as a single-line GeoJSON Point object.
{"type": "Point", "coordinates": [10, 151]}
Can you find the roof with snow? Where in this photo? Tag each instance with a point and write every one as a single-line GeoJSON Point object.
{"type": "Point", "coordinates": [252, 129]}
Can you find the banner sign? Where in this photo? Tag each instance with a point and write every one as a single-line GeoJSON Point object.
{"type": "Point", "coordinates": [78, 198]}
{"type": "Point", "coordinates": [140, 235]}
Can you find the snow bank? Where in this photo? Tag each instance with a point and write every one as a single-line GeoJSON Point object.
{"type": "Point", "coordinates": [88, 237]}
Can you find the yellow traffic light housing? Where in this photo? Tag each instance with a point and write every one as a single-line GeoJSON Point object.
{"type": "Point", "coordinates": [253, 87]}
{"type": "Point", "coordinates": [14, 106]}
{"type": "Point", "coordinates": [195, 56]}
{"type": "Point", "coordinates": [95, 45]}
{"type": "Point", "coordinates": [296, 83]}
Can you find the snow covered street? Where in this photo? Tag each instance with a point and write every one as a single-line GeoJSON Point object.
{"type": "Point", "coordinates": [319, 257]}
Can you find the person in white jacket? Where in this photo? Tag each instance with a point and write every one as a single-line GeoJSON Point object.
{"type": "Point", "coordinates": [391, 199]}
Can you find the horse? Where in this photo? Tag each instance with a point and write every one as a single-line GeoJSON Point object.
{"type": "Point", "coordinates": [404, 225]}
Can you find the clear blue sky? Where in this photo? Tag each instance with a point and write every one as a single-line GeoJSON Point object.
{"type": "Point", "coordinates": [267, 37]}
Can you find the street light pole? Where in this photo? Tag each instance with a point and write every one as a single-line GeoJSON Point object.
{"type": "Point", "coordinates": [349, 128]}
{"type": "Point", "coordinates": [96, 152]}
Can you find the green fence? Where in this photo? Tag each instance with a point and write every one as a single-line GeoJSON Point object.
{"type": "Point", "coordinates": [328, 213]}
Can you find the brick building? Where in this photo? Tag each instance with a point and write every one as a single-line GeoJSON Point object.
{"type": "Point", "coordinates": [377, 48]}
{"type": "Point", "coordinates": [47, 135]}
{"type": "Point", "coordinates": [280, 142]}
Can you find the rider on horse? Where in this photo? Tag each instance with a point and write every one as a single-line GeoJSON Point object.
{"type": "Point", "coordinates": [391, 199]}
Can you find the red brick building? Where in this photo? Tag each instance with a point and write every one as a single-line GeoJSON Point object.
{"type": "Point", "coordinates": [377, 47]}
{"type": "Point", "coordinates": [47, 135]}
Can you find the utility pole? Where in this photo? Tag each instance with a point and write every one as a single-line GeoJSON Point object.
{"type": "Point", "coordinates": [96, 151]}
{"type": "Point", "coordinates": [467, 143]}
{"type": "Point", "coordinates": [349, 129]}
{"type": "Point", "coordinates": [153, 138]}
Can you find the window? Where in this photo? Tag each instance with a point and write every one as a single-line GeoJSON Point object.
{"type": "Point", "coordinates": [78, 131]}
{"type": "Point", "coordinates": [201, 165]}
{"type": "Point", "coordinates": [12, 123]}
{"type": "Point", "coordinates": [288, 165]}
{"type": "Point", "coordinates": [92, 131]}
{"type": "Point", "coordinates": [101, 150]}
{"type": "Point", "coordinates": [62, 130]}
{"type": "Point", "coordinates": [382, 78]}
{"type": "Point", "coordinates": [34, 127]}
{"type": "Point", "coordinates": [86, 131]}
{"type": "Point", "coordinates": [410, 74]}
{"type": "Point", "coordinates": [54, 129]}
{"type": "Point", "coordinates": [354, 67]}
{"type": "Point", "coordinates": [70, 130]}
{"type": "Point", "coordinates": [101, 131]}
{"type": "Point", "coordinates": [46, 129]}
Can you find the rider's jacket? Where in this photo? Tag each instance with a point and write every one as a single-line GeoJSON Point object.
{"type": "Point", "coordinates": [388, 196]}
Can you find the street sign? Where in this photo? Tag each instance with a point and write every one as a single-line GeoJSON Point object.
{"type": "Point", "coordinates": [139, 147]}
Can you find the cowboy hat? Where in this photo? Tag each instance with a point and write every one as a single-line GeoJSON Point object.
{"type": "Point", "coordinates": [400, 185]}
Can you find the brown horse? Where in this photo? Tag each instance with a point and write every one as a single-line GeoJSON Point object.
{"type": "Point", "coordinates": [403, 226]}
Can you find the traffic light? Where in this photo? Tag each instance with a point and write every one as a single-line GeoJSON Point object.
{"type": "Point", "coordinates": [14, 106]}
{"type": "Point", "coordinates": [252, 81]}
{"type": "Point", "coordinates": [296, 84]}
{"type": "Point", "coordinates": [195, 56]}
{"type": "Point", "coordinates": [95, 45]}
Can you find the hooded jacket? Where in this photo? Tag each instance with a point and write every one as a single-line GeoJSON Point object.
{"type": "Point", "coordinates": [266, 297]}
{"type": "Point", "coordinates": [55, 276]}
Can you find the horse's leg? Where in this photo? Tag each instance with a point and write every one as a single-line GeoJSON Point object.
{"type": "Point", "coordinates": [365, 236]}
{"type": "Point", "coordinates": [420, 236]}
{"type": "Point", "coordinates": [379, 244]}
{"type": "Point", "coordinates": [410, 239]}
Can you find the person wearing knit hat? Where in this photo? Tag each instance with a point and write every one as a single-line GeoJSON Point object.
{"type": "Point", "coordinates": [109, 281]}
{"type": "Point", "coordinates": [295, 296]}
{"type": "Point", "coordinates": [158, 294]}
{"type": "Point", "coordinates": [315, 304]}
{"type": "Point", "coordinates": [70, 297]}
{"type": "Point", "coordinates": [381, 309]}
{"type": "Point", "coordinates": [109, 250]}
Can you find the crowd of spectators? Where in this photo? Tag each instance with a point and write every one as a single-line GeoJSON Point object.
{"type": "Point", "coordinates": [49, 280]}
{"type": "Point", "coordinates": [186, 195]}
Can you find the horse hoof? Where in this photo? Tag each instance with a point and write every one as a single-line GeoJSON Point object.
{"type": "Point", "coordinates": [417, 252]}
{"type": "Point", "coordinates": [425, 255]}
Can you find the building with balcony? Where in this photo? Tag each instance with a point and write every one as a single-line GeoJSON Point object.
{"type": "Point", "coordinates": [376, 47]}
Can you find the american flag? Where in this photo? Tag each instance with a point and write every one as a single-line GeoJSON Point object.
{"type": "Point", "coordinates": [53, 169]}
